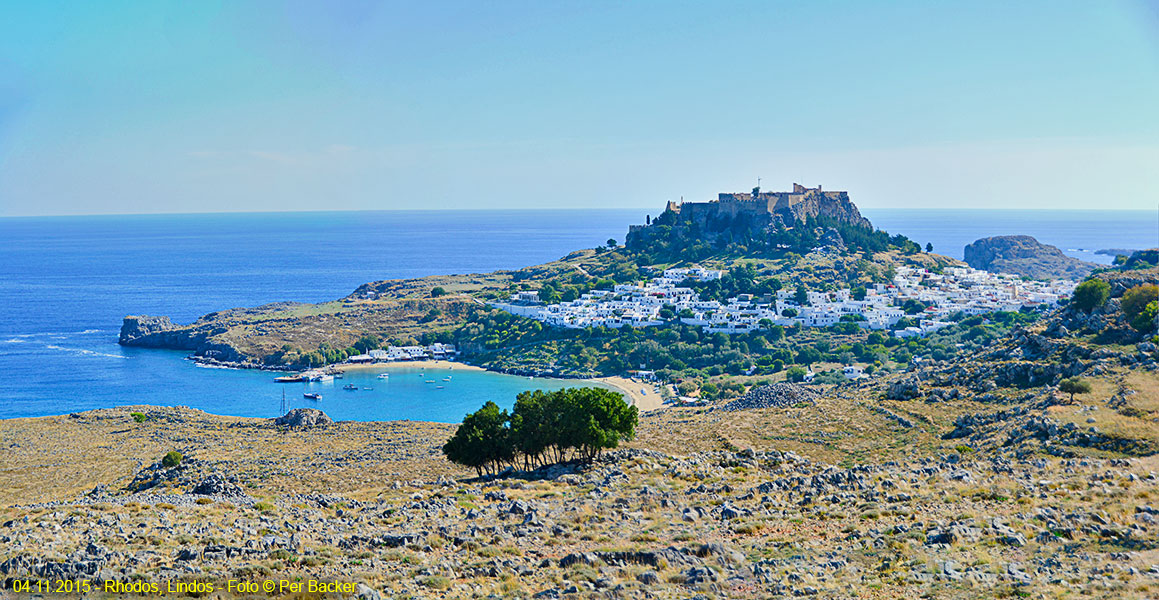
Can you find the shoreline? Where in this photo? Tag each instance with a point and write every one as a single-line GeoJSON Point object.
{"type": "Point", "coordinates": [629, 388]}
{"type": "Point", "coordinates": [415, 364]}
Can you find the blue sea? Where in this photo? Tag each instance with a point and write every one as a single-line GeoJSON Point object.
{"type": "Point", "coordinates": [66, 282]}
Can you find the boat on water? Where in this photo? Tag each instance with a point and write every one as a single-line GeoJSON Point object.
{"type": "Point", "coordinates": [312, 396]}
{"type": "Point", "coordinates": [315, 375]}
{"type": "Point", "coordinates": [350, 387]}
{"type": "Point", "coordinates": [384, 375]}
{"type": "Point", "coordinates": [288, 378]}
{"type": "Point", "coordinates": [429, 381]}
{"type": "Point", "coordinates": [446, 379]}
{"type": "Point", "coordinates": [368, 388]}
{"type": "Point", "coordinates": [440, 387]}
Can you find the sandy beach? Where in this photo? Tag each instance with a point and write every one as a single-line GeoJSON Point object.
{"type": "Point", "coordinates": [409, 364]}
{"type": "Point", "coordinates": [631, 390]}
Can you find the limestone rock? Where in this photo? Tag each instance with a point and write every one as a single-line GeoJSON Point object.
{"type": "Point", "coordinates": [304, 418]}
{"type": "Point", "coordinates": [1024, 255]}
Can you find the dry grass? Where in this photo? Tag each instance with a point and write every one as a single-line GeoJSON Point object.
{"type": "Point", "coordinates": [60, 457]}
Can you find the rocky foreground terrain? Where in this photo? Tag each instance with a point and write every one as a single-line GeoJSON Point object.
{"type": "Point", "coordinates": [976, 477]}
{"type": "Point", "coordinates": [876, 500]}
{"type": "Point", "coordinates": [638, 523]}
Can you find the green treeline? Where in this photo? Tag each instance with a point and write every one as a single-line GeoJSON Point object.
{"type": "Point", "coordinates": [677, 351]}
{"type": "Point", "coordinates": [671, 239]}
{"type": "Point", "coordinates": [543, 428]}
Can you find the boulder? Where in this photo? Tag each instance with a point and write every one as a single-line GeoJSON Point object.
{"type": "Point", "coordinates": [217, 485]}
{"type": "Point", "coordinates": [304, 418]}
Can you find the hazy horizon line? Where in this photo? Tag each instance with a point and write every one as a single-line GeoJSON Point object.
{"type": "Point", "coordinates": [564, 208]}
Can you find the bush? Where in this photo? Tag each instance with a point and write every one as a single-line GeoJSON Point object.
{"type": "Point", "coordinates": [795, 374]}
{"type": "Point", "coordinates": [1135, 306]}
{"type": "Point", "coordinates": [172, 459]}
{"type": "Point", "coordinates": [1091, 294]}
{"type": "Point", "coordinates": [139, 417]}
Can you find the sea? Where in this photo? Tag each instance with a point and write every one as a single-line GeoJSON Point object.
{"type": "Point", "coordinates": [66, 283]}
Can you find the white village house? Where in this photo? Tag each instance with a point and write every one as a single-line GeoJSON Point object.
{"type": "Point", "coordinates": [959, 289]}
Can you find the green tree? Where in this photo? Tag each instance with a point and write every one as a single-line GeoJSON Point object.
{"type": "Point", "coordinates": [367, 343]}
{"type": "Point", "coordinates": [858, 293]}
{"type": "Point", "coordinates": [807, 356]}
{"type": "Point", "coordinates": [929, 247]}
{"type": "Point", "coordinates": [1135, 302]}
{"type": "Point", "coordinates": [483, 441]}
{"type": "Point", "coordinates": [687, 388]}
{"type": "Point", "coordinates": [795, 374]}
{"type": "Point", "coordinates": [801, 296]}
{"type": "Point", "coordinates": [611, 242]}
{"type": "Point", "coordinates": [1091, 294]}
{"type": "Point", "coordinates": [1073, 386]}
{"type": "Point", "coordinates": [438, 291]}
{"type": "Point", "coordinates": [549, 295]}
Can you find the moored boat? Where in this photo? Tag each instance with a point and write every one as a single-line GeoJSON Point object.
{"type": "Point", "coordinates": [288, 378]}
{"type": "Point", "coordinates": [350, 387]}
{"type": "Point", "coordinates": [312, 396]}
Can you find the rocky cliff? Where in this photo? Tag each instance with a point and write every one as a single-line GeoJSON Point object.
{"type": "Point", "coordinates": [749, 216]}
{"type": "Point", "coordinates": [1024, 255]}
{"type": "Point", "coordinates": [837, 207]}
{"type": "Point", "coordinates": [144, 331]}
{"type": "Point", "coordinates": [155, 332]}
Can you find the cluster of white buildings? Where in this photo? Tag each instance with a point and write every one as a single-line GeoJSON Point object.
{"type": "Point", "coordinates": [960, 289]}
{"type": "Point", "coordinates": [399, 353]}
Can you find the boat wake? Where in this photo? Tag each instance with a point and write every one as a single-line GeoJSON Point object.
{"type": "Point", "coordinates": [84, 352]}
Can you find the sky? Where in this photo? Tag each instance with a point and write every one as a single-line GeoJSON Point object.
{"type": "Point", "coordinates": [174, 107]}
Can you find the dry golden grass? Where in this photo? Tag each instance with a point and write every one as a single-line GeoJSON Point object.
{"type": "Point", "coordinates": [60, 457]}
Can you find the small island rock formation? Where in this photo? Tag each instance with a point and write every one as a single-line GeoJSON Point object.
{"type": "Point", "coordinates": [1026, 256]}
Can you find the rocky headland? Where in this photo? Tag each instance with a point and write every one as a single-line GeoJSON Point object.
{"type": "Point", "coordinates": [1026, 256]}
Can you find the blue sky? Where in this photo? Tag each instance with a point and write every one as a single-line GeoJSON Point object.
{"type": "Point", "coordinates": [137, 107]}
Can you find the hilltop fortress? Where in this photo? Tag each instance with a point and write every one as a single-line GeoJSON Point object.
{"type": "Point", "coordinates": [754, 212]}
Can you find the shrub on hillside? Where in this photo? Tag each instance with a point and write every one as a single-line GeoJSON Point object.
{"type": "Point", "coordinates": [171, 459]}
{"type": "Point", "coordinates": [1140, 305]}
{"type": "Point", "coordinates": [1091, 294]}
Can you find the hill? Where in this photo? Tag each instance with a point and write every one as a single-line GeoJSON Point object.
{"type": "Point", "coordinates": [1024, 255]}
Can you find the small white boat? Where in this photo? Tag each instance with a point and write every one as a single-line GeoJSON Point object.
{"type": "Point", "coordinates": [384, 376]}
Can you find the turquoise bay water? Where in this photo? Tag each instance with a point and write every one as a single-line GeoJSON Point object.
{"type": "Point", "coordinates": [66, 282]}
